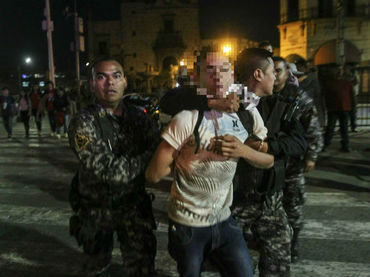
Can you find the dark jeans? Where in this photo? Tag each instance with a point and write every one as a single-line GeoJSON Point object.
{"type": "Point", "coordinates": [8, 124]}
{"type": "Point", "coordinates": [343, 123]}
{"type": "Point", "coordinates": [189, 246]}
{"type": "Point", "coordinates": [52, 121]}
{"type": "Point", "coordinates": [26, 121]}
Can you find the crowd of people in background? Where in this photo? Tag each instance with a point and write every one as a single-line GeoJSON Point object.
{"type": "Point", "coordinates": [33, 106]}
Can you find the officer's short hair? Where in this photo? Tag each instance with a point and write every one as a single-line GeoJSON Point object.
{"type": "Point", "coordinates": [249, 60]}
{"type": "Point", "coordinates": [301, 62]}
{"type": "Point", "coordinates": [100, 60]}
{"type": "Point", "coordinates": [4, 88]}
{"type": "Point", "coordinates": [280, 59]}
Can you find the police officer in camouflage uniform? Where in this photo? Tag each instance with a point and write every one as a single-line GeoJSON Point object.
{"type": "Point", "coordinates": [294, 191]}
{"type": "Point", "coordinates": [258, 198]}
{"type": "Point", "coordinates": [113, 143]}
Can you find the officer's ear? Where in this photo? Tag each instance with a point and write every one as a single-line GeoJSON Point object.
{"type": "Point", "coordinates": [124, 82]}
{"type": "Point", "coordinates": [258, 74]}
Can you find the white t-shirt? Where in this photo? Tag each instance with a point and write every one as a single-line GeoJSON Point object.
{"type": "Point", "coordinates": [202, 191]}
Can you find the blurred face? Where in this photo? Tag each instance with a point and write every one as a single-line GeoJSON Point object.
{"type": "Point", "coordinates": [282, 74]}
{"type": "Point", "coordinates": [268, 79]}
{"type": "Point", "coordinates": [50, 86]}
{"type": "Point", "coordinates": [108, 83]}
{"type": "Point", "coordinates": [5, 92]}
{"type": "Point", "coordinates": [216, 74]}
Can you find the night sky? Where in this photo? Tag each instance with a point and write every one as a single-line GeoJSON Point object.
{"type": "Point", "coordinates": [21, 34]}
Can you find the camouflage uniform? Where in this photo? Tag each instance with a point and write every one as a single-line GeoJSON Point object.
{"type": "Point", "coordinates": [108, 192]}
{"type": "Point", "coordinates": [294, 191]}
{"type": "Point", "coordinates": [265, 217]}
{"type": "Point", "coordinates": [258, 199]}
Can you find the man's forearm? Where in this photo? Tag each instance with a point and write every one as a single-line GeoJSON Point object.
{"type": "Point", "coordinates": [256, 158]}
{"type": "Point", "coordinates": [153, 176]}
{"type": "Point", "coordinates": [160, 165]}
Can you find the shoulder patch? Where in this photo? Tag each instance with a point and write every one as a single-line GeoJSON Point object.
{"type": "Point", "coordinates": [81, 141]}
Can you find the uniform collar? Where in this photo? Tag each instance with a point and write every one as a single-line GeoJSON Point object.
{"type": "Point", "coordinates": [104, 112]}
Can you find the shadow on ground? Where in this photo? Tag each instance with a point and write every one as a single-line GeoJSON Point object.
{"type": "Point", "coordinates": [27, 252]}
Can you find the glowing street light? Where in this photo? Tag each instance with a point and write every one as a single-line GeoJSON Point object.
{"type": "Point", "coordinates": [182, 63]}
{"type": "Point", "coordinates": [226, 49]}
{"type": "Point", "coordinates": [27, 60]}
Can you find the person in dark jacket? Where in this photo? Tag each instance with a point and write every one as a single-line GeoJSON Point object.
{"type": "Point", "coordinates": [61, 108]}
{"type": "Point", "coordinates": [35, 96]}
{"type": "Point", "coordinates": [46, 103]}
{"type": "Point", "coordinates": [113, 143]}
{"type": "Point", "coordinates": [294, 190]}
{"type": "Point", "coordinates": [7, 107]}
{"type": "Point", "coordinates": [258, 197]}
{"type": "Point", "coordinates": [338, 97]}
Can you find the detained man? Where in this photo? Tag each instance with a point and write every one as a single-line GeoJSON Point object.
{"type": "Point", "coordinates": [200, 221]}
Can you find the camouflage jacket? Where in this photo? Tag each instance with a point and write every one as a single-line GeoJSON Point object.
{"type": "Point", "coordinates": [309, 120]}
{"type": "Point", "coordinates": [113, 152]}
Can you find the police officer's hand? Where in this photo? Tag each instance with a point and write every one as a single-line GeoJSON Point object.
{"type": "Point", "coordinates": [309, 165]}
{"type": "Point", "coordinates": [230, 104]}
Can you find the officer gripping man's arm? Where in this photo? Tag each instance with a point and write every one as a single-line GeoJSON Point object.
{"type": "Point", "coordinates": [97, 157]}
{"type": "Point", "coordinates": [113, 142]}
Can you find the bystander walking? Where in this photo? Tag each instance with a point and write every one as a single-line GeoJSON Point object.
{"type": "Point", "coordinates": [61, 109]}
{"type": "Point", "coordinates": [7, 106]}
{"type": "Point", "coordinates": [24, 111]}
{"type": "Point", "coordinates": [35, 96]}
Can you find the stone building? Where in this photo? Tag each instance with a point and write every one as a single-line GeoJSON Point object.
{"type": "Point", "coordinates": [309, 30]}
{"type": "Point", "coordinates": [152, 37]}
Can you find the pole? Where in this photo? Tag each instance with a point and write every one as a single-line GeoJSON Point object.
{"type": "Point", "coordinates": [340, 33]}
{"type": "Point", "coordinates": [49, 31]}
{"type": "Point", "coordinates": [77, 48]}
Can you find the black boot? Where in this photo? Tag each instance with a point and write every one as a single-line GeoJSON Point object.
{"type": "Point", "coordinates": [294, 246]}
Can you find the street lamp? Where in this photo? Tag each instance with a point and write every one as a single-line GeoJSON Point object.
{"type": "Point", "coordinates": [226, 49]}
{"type": "Point", "coordinates": [27, 60]}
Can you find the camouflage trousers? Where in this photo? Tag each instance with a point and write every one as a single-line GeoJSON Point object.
{"type": "Point", "coordinates": [94, 229]}
{"type": "Point", "coordinates": [265, 217]}
{"type": "Point", "coordinates": [294, 199]}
